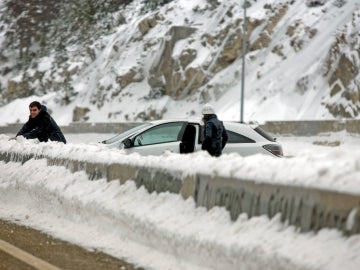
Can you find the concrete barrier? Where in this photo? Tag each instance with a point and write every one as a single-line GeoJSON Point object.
{"type": "Point", "coordinates": [306, 208]}
{"type": "Point", "coordinates": [297, 128]}
{"type": "Point", "coordinates": [78, 127]}
{"type": "Point", "coordinates": [98, 127]}
{"type": "Point", "coordinates": [310, 128]}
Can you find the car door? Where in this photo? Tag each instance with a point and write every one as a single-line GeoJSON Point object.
{"type": "Point", "coordinates": [158, 139]}
{"type": "Point", "coordinates": [190, 139]}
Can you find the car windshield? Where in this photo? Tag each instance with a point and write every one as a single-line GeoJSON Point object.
{"type": "Point", "coordinates": [123, 135]}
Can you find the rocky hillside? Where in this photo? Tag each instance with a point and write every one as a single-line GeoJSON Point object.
{"type": "Point", "coordinates": [139, 60]}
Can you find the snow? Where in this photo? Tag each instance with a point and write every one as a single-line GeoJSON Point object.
{"type": "Point", "coordinates": [163, 231]}
{"type": "Point", "coordinates": [271, 90]}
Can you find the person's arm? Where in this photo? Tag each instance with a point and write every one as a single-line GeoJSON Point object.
{"type": "Point", "coordinates": [224, 136]}
{"type": "Point", "coordinates": [32, 134]}
{"type": "Point", "coordinates": [22, 131]}
{"type": "Point", "coordinates": [207, 136]}
{"type": "Point", "coordinates": [25, 129]}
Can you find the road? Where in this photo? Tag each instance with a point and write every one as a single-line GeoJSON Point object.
{"type": "Point", "coordinates": [23, 248]}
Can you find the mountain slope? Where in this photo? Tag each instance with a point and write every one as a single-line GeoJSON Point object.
{"type": "Point", "coordinates": [302, 63]}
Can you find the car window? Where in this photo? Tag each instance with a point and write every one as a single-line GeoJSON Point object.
{"type": "Point", "coordinates": [126, 133]}
{"type": "Point", "coordinates": [264, 134]}
{"type": "Point", "coordinates": [238, 138]}
{"type": "Point", "coordinates": [168, 132]}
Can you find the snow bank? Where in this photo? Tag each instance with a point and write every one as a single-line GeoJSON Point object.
{"type": "Point", "coordinates": [337, 170]}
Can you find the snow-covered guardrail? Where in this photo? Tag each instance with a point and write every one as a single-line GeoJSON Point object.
{"type": "Point", "coordinates": [307, 208]}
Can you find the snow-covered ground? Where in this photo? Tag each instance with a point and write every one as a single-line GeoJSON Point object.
{"type": "Point", "coordinates": [162, 231]}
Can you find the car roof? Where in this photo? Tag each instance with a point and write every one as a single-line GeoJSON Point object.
{"type": "Point", "coordinates": [199, 121]}
{"type": "Point", "coordinates": [190, 120]}
{"type": "Point", "coordinates": [242, 128]}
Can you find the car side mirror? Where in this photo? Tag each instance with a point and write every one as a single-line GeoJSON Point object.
{"type": "Point", "coordinates": [127, 143]}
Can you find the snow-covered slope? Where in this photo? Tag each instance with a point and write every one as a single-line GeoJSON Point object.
{"type": "Point", "coordinates": [302, 63]}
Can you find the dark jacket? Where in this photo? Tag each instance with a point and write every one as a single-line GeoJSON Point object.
{"type": "Point", "coordinates": [43, 127]}
{"type": "Point", "coordinates": [215, 136]}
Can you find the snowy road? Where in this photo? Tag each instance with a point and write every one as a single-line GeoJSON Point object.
{"type": "Point", "coordinates": [24, 248]}
{"type": "Point", "coordinates": [162, 231]}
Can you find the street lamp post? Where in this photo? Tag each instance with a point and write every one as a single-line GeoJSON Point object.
{"type": "Point", "coordinates": [243, 66]}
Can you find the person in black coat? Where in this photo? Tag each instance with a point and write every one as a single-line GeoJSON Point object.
{"type": "Point", "coordinates": [40, 125]}
{"type": "Point", "coordinates": [215, 136]}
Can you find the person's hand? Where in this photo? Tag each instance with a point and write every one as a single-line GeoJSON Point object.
{"type": "Point", "coordinates": [12, 138]}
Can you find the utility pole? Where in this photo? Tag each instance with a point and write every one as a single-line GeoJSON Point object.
{"type": "Point", "coordinates": [243, 66]}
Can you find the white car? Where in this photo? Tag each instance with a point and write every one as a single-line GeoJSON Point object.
{"type": "Point", "coordinates": [186, 136]}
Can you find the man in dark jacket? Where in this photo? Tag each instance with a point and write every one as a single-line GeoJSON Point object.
{"type": "Point", "coordinates": [215, 136]}
{"type": "Point", "coordinates": [40, 125]}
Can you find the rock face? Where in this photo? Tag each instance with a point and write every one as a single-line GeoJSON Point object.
{"type": "Point", "coordinates": [342, 69]}
{"type": "Point", "coordinates": [168, 57]}
{"type": "Point", "coordinates": [168, 73]}
{"type": "Point", "coordinates": [79, 114]}
{"type": "Point", "coordinates": [17, 89]}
